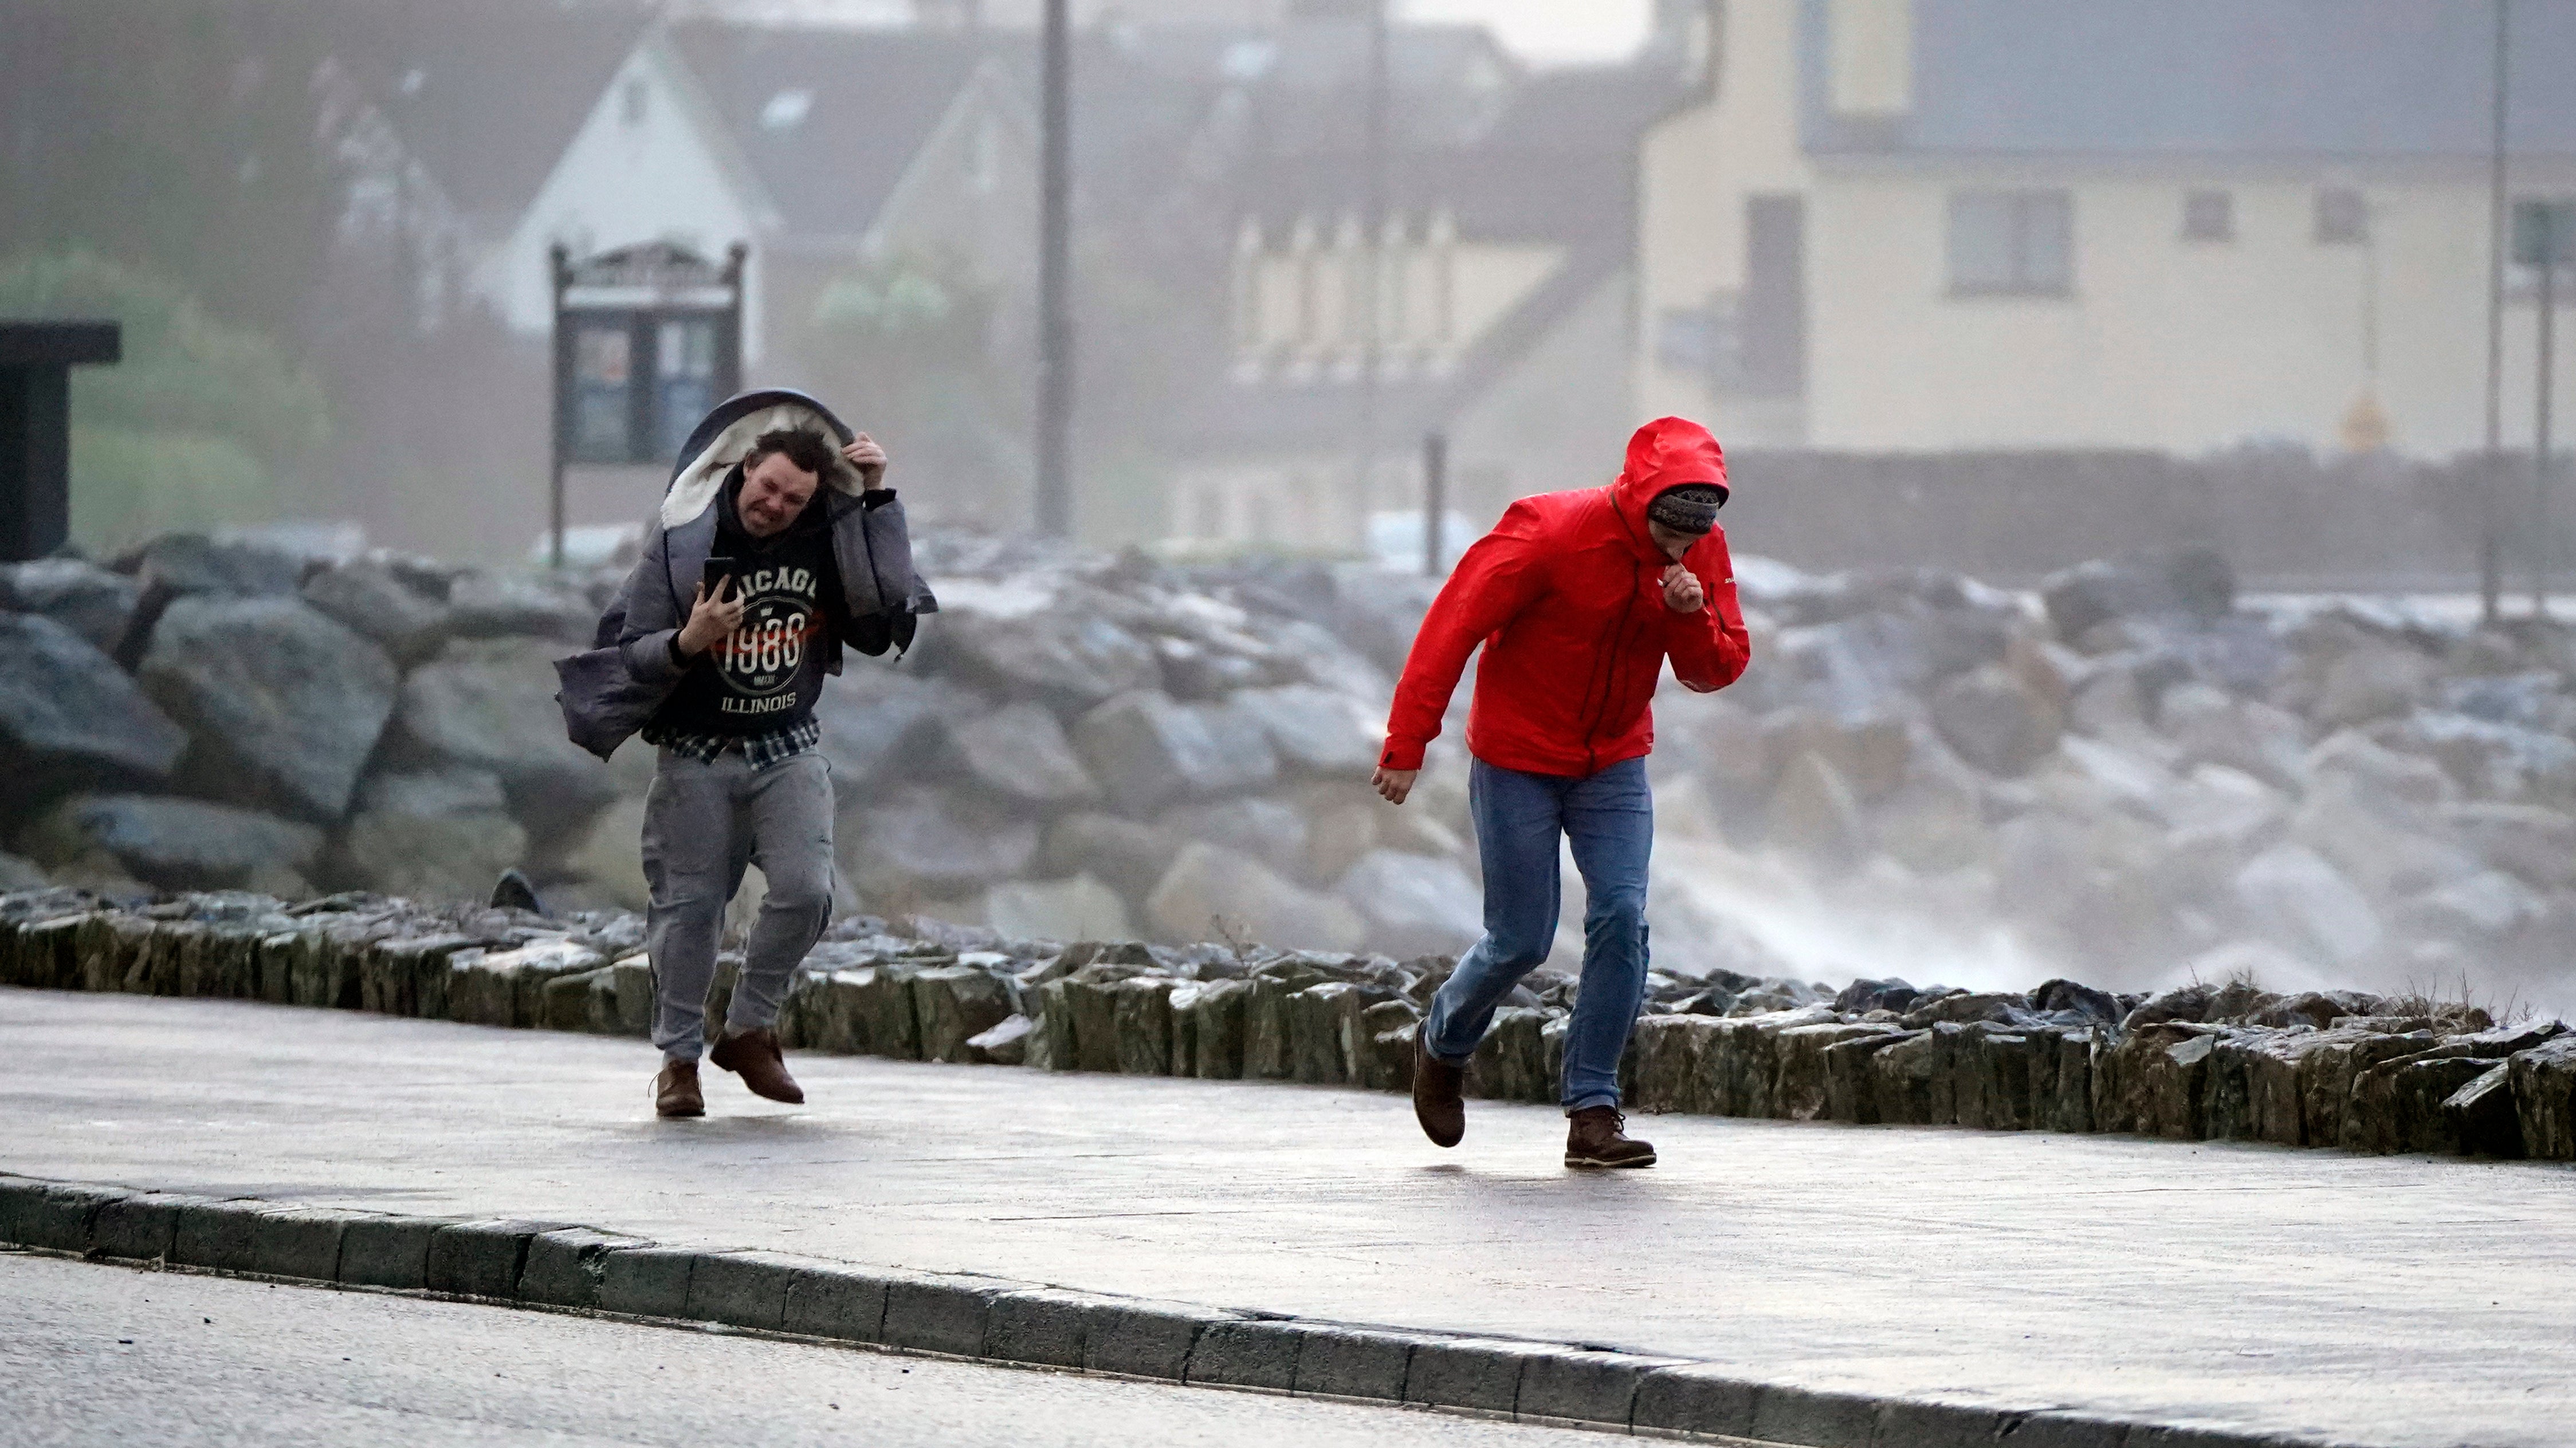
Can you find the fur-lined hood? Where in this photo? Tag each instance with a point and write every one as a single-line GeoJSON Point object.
{"type": "Point", "coordinates": [726, 434]}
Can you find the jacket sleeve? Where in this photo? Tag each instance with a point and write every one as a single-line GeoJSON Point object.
{"type": "Point", "coordinates": [1494, 580]}
{"type": "Point", "coordinates": [646, 637]}
{"type": "Point", "coordinates": [1710, 648]}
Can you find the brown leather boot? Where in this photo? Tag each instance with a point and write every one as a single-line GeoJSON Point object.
{"type": "Point", "coordinates": [1437, 1101]}
{"type": "Point", "coordinates": [675, 1090]}
{"type": "Point", "coordinates": [755, 1057]}
{"type": "Point", "coordinates": [1595, 1136]}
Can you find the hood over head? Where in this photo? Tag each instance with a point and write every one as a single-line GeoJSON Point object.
{"type": "Point", "coordinates": [726, 434]}
{"type": "Point", "coordinates": [1668, 453]}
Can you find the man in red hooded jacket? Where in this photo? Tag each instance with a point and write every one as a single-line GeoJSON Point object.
{"type": "Point", "coordinates": [1578, 599]}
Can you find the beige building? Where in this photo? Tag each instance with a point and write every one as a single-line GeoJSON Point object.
{"type": "Point", "coordinates": [1902, 225]}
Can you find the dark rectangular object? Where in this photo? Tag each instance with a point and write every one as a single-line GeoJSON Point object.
{"type": "Point", "coordinates": [60, 344]}
{"type": "Point", "coordinates": [36, 359]}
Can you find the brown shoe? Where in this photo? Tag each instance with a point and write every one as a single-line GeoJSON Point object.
{"type": "Point", "coordinates": [754, 1056]}
{"type": "Point", "coordinates": [1437, 1102]}
{"type": "Point", "coordinates": [675, 1090]}
{"type": "Point", "coordinates": [1594, 1137]}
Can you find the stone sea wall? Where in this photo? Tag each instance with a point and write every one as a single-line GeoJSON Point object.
{"type": "Point", "coordinates": [2204, 1062]}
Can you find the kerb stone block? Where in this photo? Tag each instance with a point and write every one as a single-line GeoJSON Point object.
{"type": "Point", "coordinates": [646, 1281]}
{"type": "Point", "coordinates": [378, 1251]}
{"type": "Point", "coordinates": [833, 1301]}
{"type": "Point", "coordinates": [1479, 1373]}
{"type": "Point", "coordinates": [1355, 1363]}
{"type": "Point", "coordinates": [564, 1267]}
{"type": "Point", "coordinates": [1251, 1353]}
{"type": "Point", "coordinates": [1585, 1387]}
{"type": "Point", "coordinates": [742, 1289]}
{"type": "Point", "coordinates": [480, 1258]}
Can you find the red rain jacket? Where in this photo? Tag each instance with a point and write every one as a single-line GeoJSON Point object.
{"type": "Point", "coordinates": [1566, 595]}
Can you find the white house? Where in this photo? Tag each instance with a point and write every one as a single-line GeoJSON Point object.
{"type": "Point", "coordinates": [1938, 224]}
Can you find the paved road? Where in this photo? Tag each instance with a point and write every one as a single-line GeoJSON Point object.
{"type": "Point", "coordinates": [2371, 1300]}
{"type": "Point", "coordinates": [92, 1355]}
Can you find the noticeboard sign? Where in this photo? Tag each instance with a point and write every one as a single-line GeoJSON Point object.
{"type": "Point", "coordinates": [647, 340]}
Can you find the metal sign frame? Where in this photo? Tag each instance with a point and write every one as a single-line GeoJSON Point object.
{"type": "Point", "coordinates": [647, 339]}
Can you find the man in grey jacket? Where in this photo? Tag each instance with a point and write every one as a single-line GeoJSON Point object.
{"type": "Point", "coordinates": [776, 545]}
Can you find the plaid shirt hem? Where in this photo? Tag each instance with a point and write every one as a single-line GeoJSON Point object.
{"type": "Point", "coordinates": [763, 751]}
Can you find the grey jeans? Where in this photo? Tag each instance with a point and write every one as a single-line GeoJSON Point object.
{"type": "Point", "coordinates": [703, 825]}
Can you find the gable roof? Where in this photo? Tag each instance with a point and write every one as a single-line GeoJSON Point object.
{"type": "Point", "coordinates": [2383, 79]}
{"type": "Point", "coordinates": [828, 119]}
{"type": "Point", "coordinates": [487, 95]}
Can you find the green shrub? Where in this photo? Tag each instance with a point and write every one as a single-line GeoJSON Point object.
{"type": "Point", "coordinates": [202, 423]}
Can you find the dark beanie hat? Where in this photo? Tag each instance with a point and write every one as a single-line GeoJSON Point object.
{"type": "Point", "coordinates": [1688, 508]}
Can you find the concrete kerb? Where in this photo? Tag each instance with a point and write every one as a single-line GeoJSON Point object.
{"type": "Point", "coordinates": [992, 1319]}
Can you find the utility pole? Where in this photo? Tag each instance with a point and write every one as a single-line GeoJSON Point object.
{"type": "Point", "coordinates": [2550, 216]}
{"type": "Point", "coordinates": [2490, 533]}
{"type": "Point", "coordinates": [1372, 236]}
{"type": "Point", "coordinates": [1055, 279]}
{"type": "Point", "coordinates": [1435, 503]}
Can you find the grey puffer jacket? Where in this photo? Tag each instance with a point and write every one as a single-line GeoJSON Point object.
{"type": "Point", "coordinates": [609, 691]}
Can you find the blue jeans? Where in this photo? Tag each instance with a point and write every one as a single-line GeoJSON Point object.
{"type": "Point", "coordinates": [1610, 818]}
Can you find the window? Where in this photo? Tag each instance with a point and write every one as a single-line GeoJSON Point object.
{"type": "Point", "coordinates": [2208, 216]}
{"type": "Point", "coordinates": [2011, 243]}
{"type": "Point", "coordinates": [2343, 217]}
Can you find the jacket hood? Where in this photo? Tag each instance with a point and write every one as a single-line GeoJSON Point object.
{"type": "Point", "coordinates": [1667, 453]}
{"type": "Point", "coordinates": [726, 434]}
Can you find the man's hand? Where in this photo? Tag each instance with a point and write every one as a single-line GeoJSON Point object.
{"type": "Point", "coordinates": [1682, 593]}
{"type": "Point", "coordinates": [869, 459]}
{"type": "Point", "coordinates": [711, 620]}
{"type": "Point", "coordinates": [1392, 785]}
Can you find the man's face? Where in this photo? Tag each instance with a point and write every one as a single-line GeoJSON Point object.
{"type": "Point", "coordinates": [774, 492]}
{"type": "Point", "coordinates": [1672, 541]}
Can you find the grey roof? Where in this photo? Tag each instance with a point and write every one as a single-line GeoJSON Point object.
{"type": "Point", "coordinates": [2354, 78]}
{"type": "Point", "coordinates": [829, 119]}
{"type": "Point", "coordinates": [488, 94]}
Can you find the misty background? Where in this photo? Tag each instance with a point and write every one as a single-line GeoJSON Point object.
{"type": "Point", "coordinates": [2122, 411]}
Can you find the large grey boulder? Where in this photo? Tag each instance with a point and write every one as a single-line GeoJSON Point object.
{"type": "Point", "coordinates": [183, 563]}
{"type": "Point", "coordinates": [81, 596]}
{"type": "Point", "coordinates": [1314, 731]}
{"type": "Point", "coordinates": [177, 844]}
{"type": "Point", "coordinates": [2195, 584]}
{"type": "Point", "coordinates": [1414, 904]}
{"type": "Point", "coordinates": [921, 844]}
{"type": "Point", "coordinates": [402, 610]}
{"type": "Point", "coordinates": [490, 704]}
{"type": "Point", "coordinates": [1028, 643]}
{"type": "Point", "coordinates": [1080, 908]}
{"type": "Point", "coordinates": [283, 705]}
{"type": "Point", "coordinates": [2293, 894]}
{"type": "Point", "coordinates": [1996, 720]}
{"type": "Point", "coordinates": [504, 604]}
{"type": "Point", "coordinates": [1214, 891]}
{"type": "Point", "coordinates": [431, 835]}
{"type": "Point", "coordinates": [1147, 750]}
{"type": "Point", "coordinates": [2211, 727]}
{"type": "Point", "coordinates": [2370, 682]}
{"type": "Point", "coordinates": [1813, 811]}
{"type": "Point", "coordinates": [1125, 855]}
{"type": "Point", "coordinates": [1266, 829]}
{"type": "Point", "coordinates": [69, 715]}
{"type": "Point", "coordinates": [1020, 753]}
{"type": "Point", "coordinates": [2532, 841]}
{"type": "Point", "coordinates": [883, 727]}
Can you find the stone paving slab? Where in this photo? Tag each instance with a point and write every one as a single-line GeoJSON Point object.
{"type": "Point", "coordinates": [1819, 1279]}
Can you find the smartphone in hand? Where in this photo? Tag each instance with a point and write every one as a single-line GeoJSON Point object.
{"type": "Point", "coordinates": [720, 568]}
